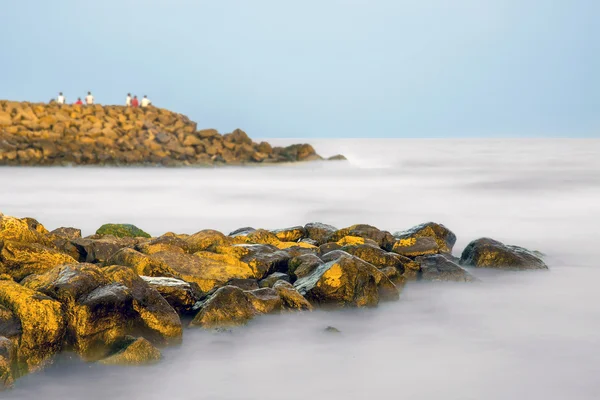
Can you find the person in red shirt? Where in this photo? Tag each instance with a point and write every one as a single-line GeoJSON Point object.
{"type": "Point", "coordinates": [79, 102]}
{"type": "Point", "coordinates": [135, 103]}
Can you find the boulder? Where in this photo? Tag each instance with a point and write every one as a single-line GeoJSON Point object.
{"type": "Point", "coordinates": [262, 258]}
{"type": "Point", "coordinates": [319, 232]}
{"type": "Point", "coordinates": [206, 269]}
{"type": "Point", "coordinates": [346, 281]}
{"type": "Point", "coordinates": [270, 280]}
{"type": "Point", "coordinates": [384, 239]}
{"type": "Point", "coordinates": [206, 240]}
{"type": "Point", "coordinates": [444, 237]}
{"type": "Point", "coordinates": [19, 259]}
{"type": "Point", "coordinates": [265, 300]}
{"type": "Point", "coordinates": [7, 360]}
{"type": "Point", "coordinates": [337, 157]}
{"type": "Point", "coordinates": [244, 284]}
{"type": "Point", "coordinates": [67, 233]}
{"type": "Point", "coordinates": [106, 304]}
{"type": "Point", "coordinates": [228, 306]}
{"type": "Point", "coordinates": [100, 249]}
{"type": "Point", "coordinates": [18, 230]}
{"type": "Point", "coordinates": [293, 234]}
{"type": "Point", "coordinates": [378, 257]}
{"type": "Point", "coordinates": [303, 265]}
{"type": "Point", "coordinates": [416, 246]}
{"type": "Point", "coordinates": [436, 267]}
{"type": "Point", "coordinates": [180, 294]}
{"type": "Point", "coordinates": [142, 264]}
{"type": "Point", "coordinates": [290, 297]}
{"type": "Point", "coordinates": [134, 352]}
{"type": "Point", "coordinates": [42, 324]}
{"type": "Point", "coordinates": [122, 230]}
{"type": "Point", "coordinates": [489, 253]}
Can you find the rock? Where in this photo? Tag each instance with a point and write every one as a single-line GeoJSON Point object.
{"type": "Point", "coordinates": [10, 325]}
{"type": "Point", "coordinates": [121, 230]}
{"type": "Point", "coordinates": [312, 242]}
{"type": "Point", "coordinates": [337, 157]}
{"type": "Point", "coordinates": [327, 248]}
{"type": "Point", "coordinates": [142, 264]}
{"type": "Point", "coordinates": [293, 234]}
{"type": "Point", "coordinates": [332, 329]}
{"type": "Point", "coordinates": [265, 300]}
{"type": "Point", "coordinates": [444, 237]}
{"type": "Point", "coordinates": [489, 253]}
{"type": "Point", "coordinates": [301, 266]}
{"type": "Point", "coordinates": [417, 246]}
{"type": "Point", "coordinates": [17, 230]}
{"type": "Point", "coordinates": [346, 281]}
{"type": "Point", "coordinates": [270, 280]}
{"type": "Point", "coordinates": [7, 360]}
{"type": "Point", "coordinates": [35, 225]}
{"type": "Point", "coordinates": [105, 304]}
{"type": "Point", "coordinates": [378, 257]}
{"type": "Point", "coordinates": [263, 259]}
{"type": "Point", "coordinates": [228, 306]}
{"type": "Point", "coordinates": [206, 240]}
{"type": "Point", "coordinates": [180, 294]}
{"type": "Point", "coordinates": [290, 297]}
{"type": "Point", "coordinates": [67, 233]}
{"type": "Point", "coordinates": [244, 284]}
{"type": "Point", "coordinates": [98, 250]}
{"type": "Point", "coordinates": [21, 259]}
{"type": "Point", "coordinates": [384, 239]}
{"type": "Point", "coordinates": [137, 352]}
{"type": "Point", "coordinates": [319, 232]}
{"type": "Point", "coordinates": [42, 324]}
{"type": "Point", "coordinates": [354, 241]}
{"type": "Point", "coordinates": [206, 269]}
{"type": "Point", "coordinates": [256, 236]}
{"type": "Point", "coordinates": [436, 267]}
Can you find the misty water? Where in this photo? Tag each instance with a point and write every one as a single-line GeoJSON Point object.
{"type": "Point", "coordinates": [512, 335]}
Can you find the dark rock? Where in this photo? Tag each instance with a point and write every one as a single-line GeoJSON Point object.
{"type": "Point", "coordinates": [180, 295]}
{"type": "Point", "coordinates": [135, 352]}
{"type": "Point", "coordinates": [384, 239]}
{"type": "Point", "coordinates": [293, 234]}
{"type": "Point", "coordinates": [327, 247]}
{"type": "Point", "coordinates": [67, 233]}
{"type": "Point", "coordinates": [7, 362]}
{"type": "Point", "coordinates": [242, 231]}
{"type": "Point", "coordinates": [332, 329]}
{"type": "Point", "coordinates": [312, 242]}
{"type": "Point", "coordinates": [299, 267]}
{"type": "Point", "coordinates": [290, 297]}
{"type": "Point", "coordinates": [489, 253]}
{"type": "Point", "coordinates": [228, 306]}
{"type": "Point", "coordinates": [417, 246]}
{"type": "Point", "coordinates": [378, 257]}
{"type": "Point", "coordinates": [265, 300]}
{"type": "Point", "coordinates": [270, 280]}
{"type": "Point", "coordinates": [438, 268]}
{"type": "Point", "coordinates": [444, 237]}
{"type": "Point", "coordinates": [319, 232]}
{"type": "Point", "coordinates": [98, 250]}
{"type": "Point", "coordinates": [244, 284]}
{"type": "Point", "coordinates": [337, 157]}
{"type": "Point", "coordinates": [10, 325]}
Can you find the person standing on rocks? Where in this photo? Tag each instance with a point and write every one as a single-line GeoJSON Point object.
{"type": "Point", "coordinates": [60, 99]}
{"type": "Point", "coordinates": [135, 103]}
{"type": "Point", "coordinates": [89, 99]}
{"type": "Point", "coordinates": [78, 102]}
{"type": "Point", "coordinates": [128, 100]}
{"type": "Point", "coordinates": [146, 101]}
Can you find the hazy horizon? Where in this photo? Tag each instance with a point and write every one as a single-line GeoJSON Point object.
{"type": "Point", "coordinates": [334, 68]}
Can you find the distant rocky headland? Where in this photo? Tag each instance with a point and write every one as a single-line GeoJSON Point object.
{"type": "Point", "coordinates": [39, 134]}
{"type": "Point", "coordinates": [117, 296]}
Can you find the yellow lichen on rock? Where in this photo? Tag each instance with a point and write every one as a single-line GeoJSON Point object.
{"type": "Point", "coordinates": [287, 245]}
{"type": "Point", "coordinates": [21, 259]}
{"type": "Point", "coordinates": [42, 323]}
{"type": "Point", "coordinates": [140, 352]}
{"type": "Point", "coordinates": [18, 230]}
{"type": "Point", "coordinates": [207, 239]}
{"type": "Point", "coordinates": [350, 240]}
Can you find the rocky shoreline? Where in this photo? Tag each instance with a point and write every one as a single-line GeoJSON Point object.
{"type": "Point", "coordinates": [118, 296]}
{"type": "Point", "coordinates": [39, 134]}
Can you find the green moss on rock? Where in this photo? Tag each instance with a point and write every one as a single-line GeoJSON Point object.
{"type": "Point", "coordinates": [122, 230]}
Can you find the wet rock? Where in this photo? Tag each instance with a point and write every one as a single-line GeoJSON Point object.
{"type": "Point", "coordinates": [206, 240]}
{"type": "Point", "coordinates": [378, 257]}
{"type": "Point", "coordinates": [417, 246]}
{"type": "Point", "coordinates": [312, 242]}
{"type": "Point", "coordinates": [98, 250]}
{"type": "Point", "coordinates": [10, 325]}
{"type": "Point", "coordinates": [384, 239]}
{"type": "Point", "coordinates": [122, 230]}
{"type": "Point", "coordinates": [21, 259]}
{"type": "Point", "coordinates": [206, 269]}
{"type": "Point", "coordinates": [35, 225]}
{"type": "Point", "coordinates": [67, 233]}
{"type": "Point", "coordinates": [332, 329]}
{"type": "Point", "coordinates": [134, 352]}
{"type": "Point", "coordinates": [346, 281]}
{"type": "Point", "coordinates": [17, 230]}
{"type": "Point", "coordinates": [7, 360]}
{"type": "Point", "coordinates": [105, 304]}
{"type": "Point", "coordinates": [328, 247]}
{"type": "Point", "coordinates": [303, 265]}
{"type": "Point", "coordinates": [257, 236]}
{"type": "Point", "coordinates": [180, 294]}
{"type": "Point", "coordinates": [265, 300]}
{"type": "Point", "coordinates": [42, 324]}
{"type": "Point", "coordinates": [142, 264]}
{"type": "Point", "coordinates": [293, 234]}
{"type": "Point", "coordinates": [262, 258]}
{"type": "Point", "coordinates": [438, 268]}
{"type": "Point", "coordinates": [489, 253]}
{"type": "Point", "coordinates": [355, 241]}
{"type": "Point", "coordinates": [444, 237]}
{"type": "Point", "coordinates": [319, 232]}
{"type": "Point", "coordinates": [244, 284]}
{"type": "Point", "coordinates": [228, 306]}
{"type": "Point", "coordinates": [270, 280]}
{"type": "Point", "coordinates": [291, 298]}
{"type": "Point", "coordinates": [337, 157]}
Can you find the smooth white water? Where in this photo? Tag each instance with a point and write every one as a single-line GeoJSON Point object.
{"type": "Point", "coordinates": [530, 335]}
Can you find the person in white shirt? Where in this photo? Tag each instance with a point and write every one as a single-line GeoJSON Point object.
{"type": "Point", "coordinates": [128, 100]}
{"type": "Point", "coordinates": [145, 101]}
{"type": "Point", "coordinates": [89, 99]}
{"type": "Point", "coordinates": [61, 99]}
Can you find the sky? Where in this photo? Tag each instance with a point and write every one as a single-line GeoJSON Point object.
{"type": "Point", "coordinates": [320, 68]}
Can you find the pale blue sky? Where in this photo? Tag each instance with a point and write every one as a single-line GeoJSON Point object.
{"type": "Point", "coordinates": [320, 68]}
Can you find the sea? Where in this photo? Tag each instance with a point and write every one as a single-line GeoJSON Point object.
{"type": "Point", "coordinates": [511, 335]}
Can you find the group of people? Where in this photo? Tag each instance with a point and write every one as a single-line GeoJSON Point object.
{"type": "Point", "coordinates": [89, 100]}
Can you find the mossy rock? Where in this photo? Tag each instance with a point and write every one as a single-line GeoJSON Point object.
{"type": "Point", "coordinates": [122, 230]}
{"type": "Point", "coordinates": [137, 352]}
